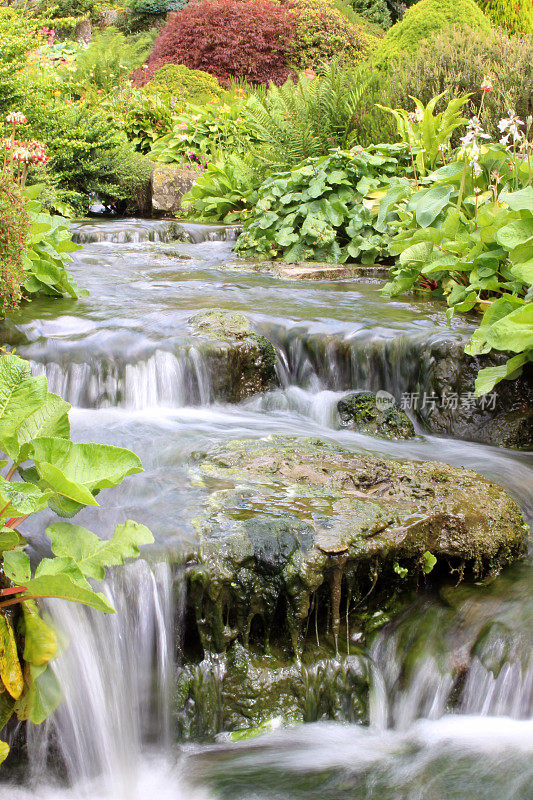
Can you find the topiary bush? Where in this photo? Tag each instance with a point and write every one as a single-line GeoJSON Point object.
{"type": "Point", "coordinates": [513, 15]}
{"type": "Point", "coordinates": [424, 19]}
{"type": "Point", "coordinates": [185, 84]}
{"type": "Point", "coordinates": [322, 32]}
{"type": "Point", "coordinates": [228, 39]}
{"type": "Point", "coordinates": [457, 59]}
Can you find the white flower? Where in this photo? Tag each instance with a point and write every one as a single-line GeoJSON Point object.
{"type": "Point", "coordinates": [16, 118]}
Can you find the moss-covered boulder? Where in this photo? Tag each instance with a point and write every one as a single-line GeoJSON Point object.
{"type": "Point", "coordinates": [375, 414]}
{"type": "Point", "coordinates": [237, 361]}
{"type": "Point", "coordinates": [424, 19]}
{"type": "Point", "coordinates": [291, 525]}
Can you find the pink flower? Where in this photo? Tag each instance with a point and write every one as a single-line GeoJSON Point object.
{"type": "Point", "coordinates": [16, 118]}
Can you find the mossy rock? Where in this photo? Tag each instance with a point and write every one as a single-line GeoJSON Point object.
{"type": "Point", "coordinates": [286, 521]}
{"type": "Point", "coordinates": [424, 19]}
{"type": "Point", "coordinates": [377, 415]}
{"type": "Point", "coordinates": [239, 361]}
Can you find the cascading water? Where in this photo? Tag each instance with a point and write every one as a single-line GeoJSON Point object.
{"type": "Point", "coordinates": [123, 357]}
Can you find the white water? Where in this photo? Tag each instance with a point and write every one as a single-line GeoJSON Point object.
{"type": "Point", "coordinates": [122, 358]}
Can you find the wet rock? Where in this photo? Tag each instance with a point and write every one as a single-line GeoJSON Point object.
{"type": "Point", "coordinates": [310, 270]}
{"type": "Point", "coordinates": [290, 525]}
{"type": "Point", "coordinates": [377, 415]}
{"type": "Point", "coordinates": [238, 361]}
{"type": "Point", "coordinates": [169, 184]}
{"type": "Point", "coordinates": [239, 692]}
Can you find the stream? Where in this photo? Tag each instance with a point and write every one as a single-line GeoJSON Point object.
{"type": "Point", "coordinates": [123, 357]}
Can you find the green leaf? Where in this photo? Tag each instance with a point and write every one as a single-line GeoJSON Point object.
{"type": "Point", "coordinates": [63, 587]}
{"type": "Point", "coordinates": [516, 233]}
{"type": "Point", "coordinates": [42, 696]}
{"type": "Point", "coordinates": [428, 562]}
{"type": "Point", "coordinates": [50, 419]}
{"type": "Point", "coordinates": [92, 554]}
{"type": "Point", "coordinates": [23, 498]}
{"type": "Point", "coordinates": [76, 470]}
{"type": "Point", "coordinates": [40, 642]}
{"type": "Point", "coordinates": [514, 331]}
{"type": "Point", "coordinates": [417, 254]}
{"type": "Point", "coordinates": [9, 539]}
{"type": "Point", "coordinates": [519, 201]}
{"type": "Point", "coordinates": [524, 272]}
{"type": "Point", "coordinates": [488, 377]}
{"type": "Point", "coordinates": [17, 566]}
{"type": "Point", "coordinates": [4, 751]}
{"type": "Point", "coordinates": [430, 205]}
{"type": "Point", "coordinates": [401, 571]}
{"type": "Point", "coordinates": [10, 669]}
{"type": "Point", "coordinates": [20, 395]}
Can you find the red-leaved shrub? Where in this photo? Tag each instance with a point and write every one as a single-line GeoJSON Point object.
{"type": "Point", "coordinates": [228, 38]}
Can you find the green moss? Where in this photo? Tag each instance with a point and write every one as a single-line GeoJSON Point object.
{"type": "Point", "coordinates": [424, 19]}
{"type": "Point", "coordinates": [360, 412]}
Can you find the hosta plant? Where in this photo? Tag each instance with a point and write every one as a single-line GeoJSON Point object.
{"type": "Point", "coordinates": [324, 209]}
{"type": "Point", "coordinates": [44, 469]}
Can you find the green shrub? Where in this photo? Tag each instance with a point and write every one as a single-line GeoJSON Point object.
{"type": "Point", "coordinates": [14, 234]}
{"type": "Point", "coordinates": [186, 85]}
{"type": "Point", "coordinates": [89, 155]}
{"type": "Point", "coordinates": [309, 117]}
{"type": "Point", "coordinates": [16, 39]}
{"type": "Point", "coordinates": [146, 118]}
{"type": "Point", "coordinates": [322, 33]}
{"type": "Point", "coordinates": [316, 211]}
{"type": "Point", "coordinates": [457, 60]}
{"type": "Point", "coordinates": [108, 61]}
{"type": "Point", "coordinates": [376, 11]}
{"type": "Point", "coordinates": [422, 20]}
{"type": "Point", "coordinates": [155, 6]}
{"type": "Point", "coordinates": [513, 15]}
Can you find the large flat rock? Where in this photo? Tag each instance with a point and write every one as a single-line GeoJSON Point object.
{"type": "Point", "coordinates": [287, 520]}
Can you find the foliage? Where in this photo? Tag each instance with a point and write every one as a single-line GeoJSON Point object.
{"type": "Point", "coordinates": [376, 11]}
{"type": "Point", "coordinates": [427, 134]}
{"type": "Point", "coordinates": [425, 18]}
{"type": "Point", "coordinates": [318, 210]}
{"type": "Point", "coordinates": [309, 117]}
{"type": "Point", "coordinates": [14, 233]}
{"type": "Point", "coordinates": [146, 119]}
{"type": "Point", "coordinates": [224, 192]}
{"type": "Point", "coordinates": [322, 33]}
{"type": "Point", "coordinates": [89, 156]}
{"type": "Point", "coordinates": [457, 59]}
{"type": "Point", "coordinates": [65, 477]}
{"type": "Point", "coordinates": [203, 132]}
{"type": "Point", "coordinates": [107, 62]}
{"type": "Point", "coordinates": [186, 85]}
{"type": "Point", "coordinates": [227, 38]}
{"type": "Point", "coordinates": [468, 237]}
{"type": "Point", "coordinates": [513, 15]}
{"type": "Point", "coordinates": [47, 252]}
{"type": "Point", "coordinates": [155, 6]}
{"type": "Point", "coordinates": [16, 39]}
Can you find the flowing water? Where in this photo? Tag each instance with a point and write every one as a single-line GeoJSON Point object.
{"type": "Point", "coordinates": [124, 358]}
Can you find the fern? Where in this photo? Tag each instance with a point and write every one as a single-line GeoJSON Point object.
{"type": "Point", "coordinates": [309, 118]}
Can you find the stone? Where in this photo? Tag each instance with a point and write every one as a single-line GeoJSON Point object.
{"type": "Point", "coordinates": [238, 361]}
{"type": "Point", "coordinates": [169, 184]}
{"type": "Point", "coordinates": [310, 270]}
{"type": "Point", "coordinates": [360, 412]}
{"type": "Point", "coordinates": [288, 525]}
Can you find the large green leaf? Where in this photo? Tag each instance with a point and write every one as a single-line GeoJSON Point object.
{"type": "Point", "coordinates": [488, 377]}
{"type": "Point", "coordinates": [40, 642]}
{"type": "Point", "coordinates": [50, 419]}
{"type": "Point", "coordinates": [516, 233]}
{"type": "Point", "coordinates": [10, 669]}
{"type": "Point", "coordinates": [20, 395]}
{"type": "Point", "coordinates": [417, 254]}
{"type": "Point", "coordinates": [513, 332]}
{"type": "Point", "coordinates": [431, 203]}
{"type": "Point", "coordinates": [519, 201]}
{"type": "Point", "coordinates": [524, 271]}
{"type": "Point", "coordinates": [92, 554]}
{"type": "Point", "coordinates": [76, 471]}
{"type": "Point", "coordinates": [42, 695]}
{"type": "Point", "coordinates": [63, 587]}
{"type": "Point", "coordinates": [23, 498]}
{"type": "Point", "coordinates": [17, 566]}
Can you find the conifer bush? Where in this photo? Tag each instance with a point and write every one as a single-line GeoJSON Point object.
{"type": "Point", "coordinates": [424, 19]}
{"type": "Point", "coordinates": [227, 38]}
{"type": "Point", "coordinates": [512, 15]}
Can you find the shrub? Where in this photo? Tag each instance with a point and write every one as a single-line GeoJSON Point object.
{"type": "Point", "coordinates": [513, 15]}
{"type": "Point", "coordinates": [185, 84]}
{"type": "Point", "coordinates": [155, 6]}
{"type": "Point", "coordinates": [14, 233]}
{"type": "Point", "coordinates": [322, 33]}
{"type": "Point", "coordinates": [308, 118]}
{"type": "Point", "coordinates": [16, 39]}
{"type": "Point", "coordinates": [146, 118]}
{"type": "Point", "coordinates": [457, 60]}
{"type": "Point", "coordinates": [227, 38]}
{"type": "Point", "coordinates": [376, 11]}
{"type": "Point", "coordinates": [108, 60]}
{"type": "Point", "coordinates": [425, 18]}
